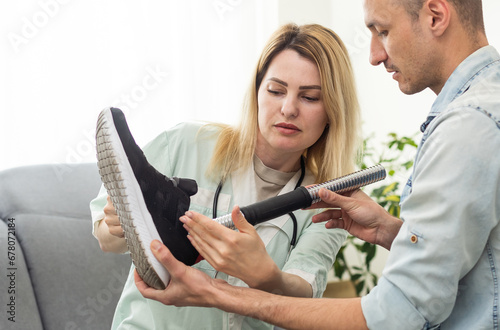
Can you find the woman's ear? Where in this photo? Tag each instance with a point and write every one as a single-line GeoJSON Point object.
{"type": "Point", "coordinates": [437, 15]}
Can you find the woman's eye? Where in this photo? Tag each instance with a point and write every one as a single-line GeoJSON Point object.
{"type": "Point", "coordinates": [311, 98]}
{"type": "Point", "coordinates": [274, 92]}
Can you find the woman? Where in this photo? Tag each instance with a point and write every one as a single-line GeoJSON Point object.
{"type": "Point", "coordinates": [299, 126]}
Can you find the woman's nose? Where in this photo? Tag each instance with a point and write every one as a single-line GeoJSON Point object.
{"type": "Point", "coordinates": [289, 108]}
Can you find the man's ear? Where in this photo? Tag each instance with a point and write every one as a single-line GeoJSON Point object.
{"type": "Point", "coordinates": [437, 15]}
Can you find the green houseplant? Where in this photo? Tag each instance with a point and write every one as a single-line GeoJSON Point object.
{"type": "Point", "coordinates": [397, 157]}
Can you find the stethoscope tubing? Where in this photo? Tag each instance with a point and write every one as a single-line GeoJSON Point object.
{"type": "Point", "coordinates": [292, 216]}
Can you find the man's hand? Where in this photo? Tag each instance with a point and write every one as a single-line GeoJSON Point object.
{"type": "Point", "coordinates": [359, 215]}
{"type": "Point", "coordinates": [191, 287]}
{"type": "Point", "coordinates": [187, 287]}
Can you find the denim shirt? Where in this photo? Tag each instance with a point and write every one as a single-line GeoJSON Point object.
{"type": "Point", "coordinates": [442, 271]}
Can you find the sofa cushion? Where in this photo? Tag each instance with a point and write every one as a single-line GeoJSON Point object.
{"type": "Point", "coordinates": [58, 262]}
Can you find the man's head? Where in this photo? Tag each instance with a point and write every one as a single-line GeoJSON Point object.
{"type": "Point", "coordinates": [422, 41]}
{"type": "Point", "coordinates": [470, 13]}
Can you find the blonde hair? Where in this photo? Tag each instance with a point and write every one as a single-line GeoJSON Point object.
{"type": "Point", "coordinates": [335, 153]}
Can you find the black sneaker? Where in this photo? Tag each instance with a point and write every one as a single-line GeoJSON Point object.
{"type": "Point", "coordinates": [148, 203]}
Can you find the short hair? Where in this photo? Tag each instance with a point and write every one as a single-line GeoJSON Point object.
{"type": "Point", "coordinates": [470, 12]}
{"type": "Point", "coordinates": [336, 151]}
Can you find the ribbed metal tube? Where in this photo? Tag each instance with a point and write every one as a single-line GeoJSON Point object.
{"type": "Point", "coordinates": [349, 182]}
{"type": "Point", "coordinates": [226, 221]}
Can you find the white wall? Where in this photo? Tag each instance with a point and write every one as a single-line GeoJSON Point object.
{"type": "Point", "coordinates": [63, 61]}
{"type": "Point", "coordinates": [162, 62]}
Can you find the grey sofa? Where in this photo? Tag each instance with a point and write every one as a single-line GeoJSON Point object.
{"type": "Point", "coordinates": [53, 273]}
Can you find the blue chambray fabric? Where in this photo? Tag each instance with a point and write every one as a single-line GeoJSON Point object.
{"type": "Point", "coordinates": [443, 267]}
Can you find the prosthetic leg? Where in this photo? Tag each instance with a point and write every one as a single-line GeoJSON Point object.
{"type": "Point", "coordinates": [150, 204]}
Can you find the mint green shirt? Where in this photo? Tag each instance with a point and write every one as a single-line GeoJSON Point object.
{"type": "Point", "coordinates": [185, 151]}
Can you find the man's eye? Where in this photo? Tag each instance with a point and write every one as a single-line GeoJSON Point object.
{"type": "Point", "coordinates": [382, 33]}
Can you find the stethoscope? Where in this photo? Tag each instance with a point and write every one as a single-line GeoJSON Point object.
{"type": "Point", "coordinates": [293, 241]}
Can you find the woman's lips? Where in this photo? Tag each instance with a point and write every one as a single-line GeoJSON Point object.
{"type": "Point", "coordinates": [286, 128]}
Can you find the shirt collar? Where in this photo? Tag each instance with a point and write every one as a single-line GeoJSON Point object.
{"type": "Point", "coordinates": [464, 74]}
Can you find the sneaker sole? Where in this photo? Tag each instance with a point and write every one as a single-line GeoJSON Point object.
{"type": "Point", "coordinates": [126, 195]}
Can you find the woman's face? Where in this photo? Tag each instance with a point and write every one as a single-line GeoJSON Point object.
{"type": "Point", "coordinates": [291, 114]}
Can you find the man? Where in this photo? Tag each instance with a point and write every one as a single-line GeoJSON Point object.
{"type": "Point", "coordinates": [443, 265]}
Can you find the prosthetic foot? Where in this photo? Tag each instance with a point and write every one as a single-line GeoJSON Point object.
{"type": "Point", "coordinates": [148, 203]}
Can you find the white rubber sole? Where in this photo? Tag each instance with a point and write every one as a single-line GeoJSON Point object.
{"type": "Point", "coordinates": [126, 195]}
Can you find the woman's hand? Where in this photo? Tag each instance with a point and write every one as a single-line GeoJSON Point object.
{"type": "Point", "coordinates": [241, 253]}
{"type": "Point", "coordinates": [112, 221]}
{"type": "Point", "coordinates": [109, 232]}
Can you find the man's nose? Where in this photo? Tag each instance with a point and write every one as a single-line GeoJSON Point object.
{"type": "Point", "coordinates": [377, 52]}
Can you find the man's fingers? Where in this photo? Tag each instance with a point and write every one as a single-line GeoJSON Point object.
{"type": "Point", "coordinates": [327, 215]}
{"type": "Point", "coordinates": [163, 254]}
{"type": "Point", "coordinates": [147, 291]}
{"type": "Point", "coordinates": [335, 223]}
{"type": "Point", "coordinates": [174, 267]}
{"type": "Point", "coordinates": [336, 200]}
{"type": "Point", "coordinates": [141, 285]}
